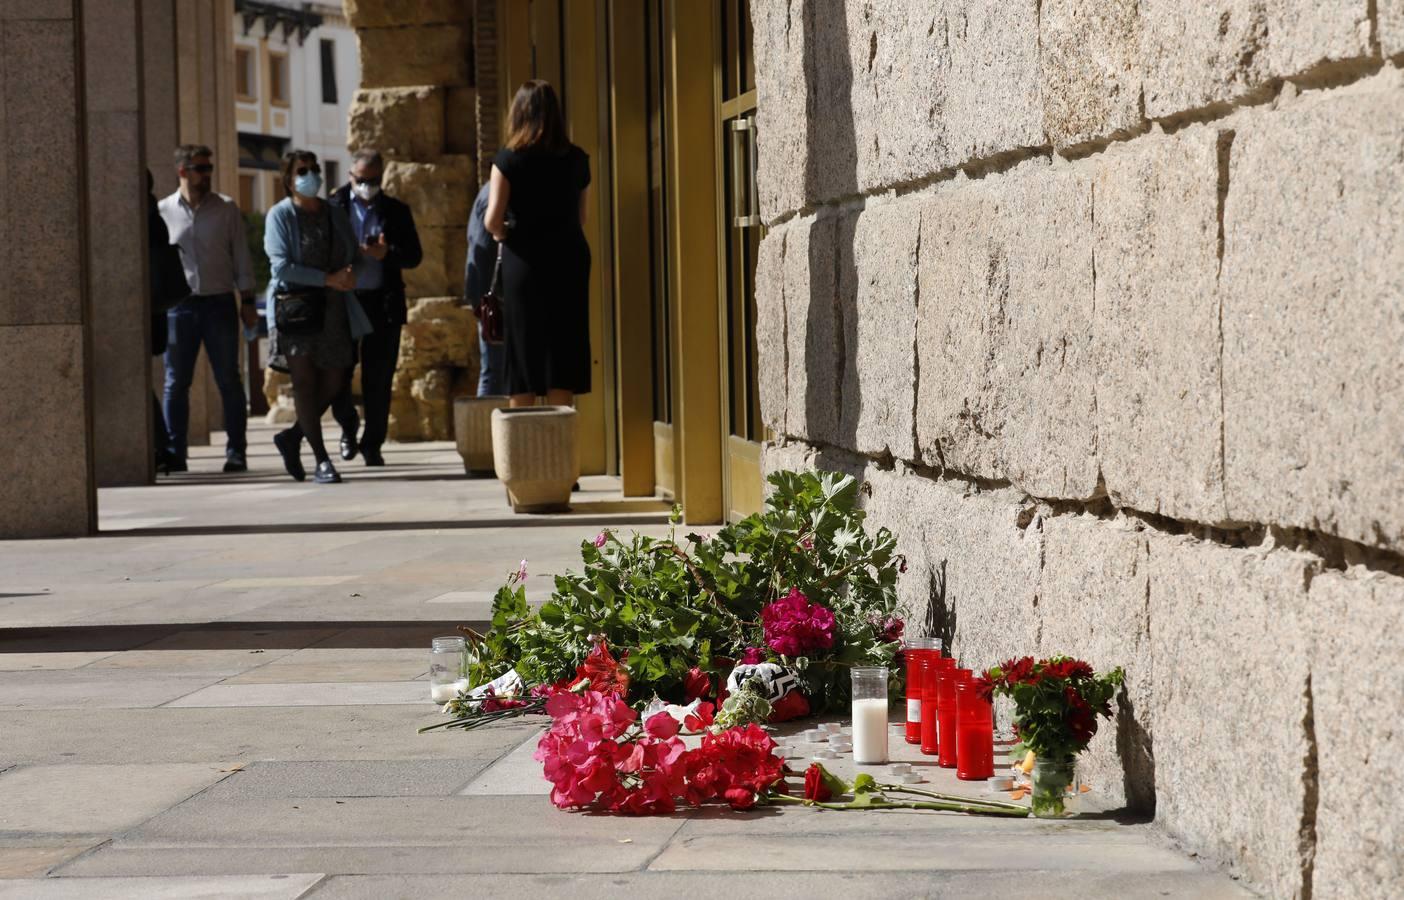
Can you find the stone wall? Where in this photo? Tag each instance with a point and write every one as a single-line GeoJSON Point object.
{"type": "Point", "coordinates": [418, 106]}
{"type": "Point", "coordinates": [1104, 300]}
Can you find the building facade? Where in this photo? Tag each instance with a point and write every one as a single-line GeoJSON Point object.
{"type": "Point", "coordinates": [296, 69]}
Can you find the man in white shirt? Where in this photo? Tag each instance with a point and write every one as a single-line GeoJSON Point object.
{"type": "Point", "coordinates": [209, 230]}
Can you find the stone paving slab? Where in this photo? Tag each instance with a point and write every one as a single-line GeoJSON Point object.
{"type": "Point", "coordinates": [22, 662]}
{"type": "Point", "coordinates": [380, 836]}
{"type": "Point", "coordinates": [35, 861]}
{"type": "Point", "coordinates": [900, 885]}
{"type": "Point", "coordinates": [78, 799]}
{"type": "Point", "coordinates": [293, 694]}
{"type": "Point", "coordinates": [515, 773]}
{"type": "Point", "coordinates": [350, 778]}
{"type": "Point", "coordinates": [222, 663]}
{"type": "Point", "coordinates": [276, 732]}
{"type": "Point", "coordinates": [93, 689]}
{"type": "Point", "coordinates": [246, 887]}
{"type": "Point", "coordinates": [269, 638]}
{"type": "Point", "coordinates": [337, 665]}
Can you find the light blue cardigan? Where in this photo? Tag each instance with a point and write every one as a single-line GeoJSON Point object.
{"type": "Point", "coordinates": [282, 242]}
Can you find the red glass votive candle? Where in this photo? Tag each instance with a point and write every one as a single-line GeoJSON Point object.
{"type": "Point", "coordinates": [929, 743]}
{"type": "Point", "coordinates": [946, 682]}
{"type": "Point", "coordinates": [974, 733]}
{"type": "Point", "coordinates": [917, 649]}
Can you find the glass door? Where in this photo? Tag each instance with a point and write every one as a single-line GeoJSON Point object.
{"type": "Point", "coordinates": [740, 237]}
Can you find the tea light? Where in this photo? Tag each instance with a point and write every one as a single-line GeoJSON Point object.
{"type": "Point", "coordinates": [900, 768]}
{"type": "Point", "coordinates": [815, 735]}
{"type": "Point", "coordinates": [831, 728]}
{"type": "Point", "coordinates": [1001, 783]}
{"type": "Point", "coordinates": [825, 754]}
{"type": "Point", "coordinates": [908, 778]}
{"type": "Point", "coordinates": [841, 748]}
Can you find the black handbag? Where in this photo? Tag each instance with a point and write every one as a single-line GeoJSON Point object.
{"type": "Point", "coordinates": [300, 311]}
{"type": "Point", "coordinates": [490, 306]}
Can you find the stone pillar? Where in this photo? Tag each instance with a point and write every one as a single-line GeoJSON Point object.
{"type": "Point", "coordinates": [117, 252]}
{"type": "Point", "coordinates": [46, 470]}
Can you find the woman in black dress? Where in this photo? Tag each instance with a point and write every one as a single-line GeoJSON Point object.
{"type": "Point", "coordinates": [536, 205]}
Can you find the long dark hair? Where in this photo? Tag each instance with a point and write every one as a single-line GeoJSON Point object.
{"type": "Point", "coordinates": [536, 119]}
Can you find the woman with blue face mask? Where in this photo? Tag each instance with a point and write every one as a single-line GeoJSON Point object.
{"type": "Point", "coordinates": [313, 315]}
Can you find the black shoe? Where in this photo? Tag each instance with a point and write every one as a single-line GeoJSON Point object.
{"type": "Point", "coordinates": [326, 473]}
{"type": "Point", "coordinates": [373, 457]}
{"type": "Point", "coordinates": [234, 461]}
{"type": "Point", "coordinates": [175, 464]}
{"type": "Point", "coordinates": [289, 448]}
{"type": "Point", "coordinates": [348, 445]}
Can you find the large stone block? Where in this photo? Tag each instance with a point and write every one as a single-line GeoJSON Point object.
{"type": "Point", "coordinates": [438, 55]}
{"type": "Point", "coordinates": [441, 272]}
{"type": "Point", "coordinates": [438, 193]}
{"type": "Point", "coordinates": [1356, 687]}
{"type": "Point", "coordinates": [1313, 316]}
{"type": "Point", "coordinates": [440, 333]}
{"type": "Point", "coordinates": [1005, 332]}
{"type": "Point", "coordinates": [770, 329]}
{"type": "Point", "coordinates": [47, 488]}
{"type": "Point", "coordinates": [1092, 604]}
{"type": "Point", "coordinates": [402, 123]}
{"type": "Point", "coordinates": [40, 229]}
{"type": "Point", "coordinates": [782, 95]}
{"type": "Point", "coordinates": [461, 122]}
{"type": "Point", "coordinates": [1231, 656]}
{"type": "Point", "coordinates": [1389, 17]}
{"type": "Point", "coordinates": [1159, 417]}
{"type": "Point", "coordinates": [1198, 54]}
{"type": "Point", "coordinates": [402, 13]}
{"type": "Point", "coordinates": [112, 72]}
{"type": "Point", "coordinates": [878, 290]}
{"type": "Point", "coordinates": [793, 456]}
{"type": "Point", "coordinates": [1091, 75]}
{"type": "Point", "coordinates": [813, 329]}
{"type": "Point", "coordinates": [972, 562]}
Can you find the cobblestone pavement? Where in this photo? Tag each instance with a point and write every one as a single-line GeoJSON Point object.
{"type": "Point", "coordinates": [218, 697]}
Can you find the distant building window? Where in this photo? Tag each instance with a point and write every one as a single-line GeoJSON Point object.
{"type": "Point", "coordinates": [247, 183]}
{"type": "Point", "coordinates": [329, 72]}
{"type": "Point", "coordinates": [244, 73]}
{"type": "Point", "coordinates": [278, 78]}
{"type": "Point", "coordinates": [332, 169]}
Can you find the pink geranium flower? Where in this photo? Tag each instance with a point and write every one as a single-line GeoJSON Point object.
{"type": "Point", "coordinates": [794, 626]}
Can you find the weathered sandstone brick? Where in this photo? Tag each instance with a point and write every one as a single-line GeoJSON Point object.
{"type": "Point", "coordinates": [770, 328]}
{"type": "Point", "coordinates": [794, 456]}
{"type": "Point", "coordinates": [441, 272]}
{"type": "Point", "coordinates": [439, 193]}
{"type": "Point", "coordinates": [1093, 604]}
{"type": "Point", "coordinates": [813, 330]}
{"type": "Point", "coordinates": [1197, 54]}
{"type": "Point", "coordinates": [419, 55]}
{"type": "Point", "coordinates": [401, 13]}
{"type": "Point", "coordinates": [878, 286]}
{"type": "Point", "coordinates": [1356, 685]}
{"type": "Point", "coordinates": [782, 97]}
{"type": "Point", "coordinates": [1005, 332]}
{"type": "Point", "coordinates": [1313, 316]}
{"type": "Point", "coordinates": [1091, 73]}
{"type": "Point", "coordinates": [1231, 659]}
{"type": "Point", "coordinates": [402, 123]}
{"type": "Point", "coordinates": [1157, 325]}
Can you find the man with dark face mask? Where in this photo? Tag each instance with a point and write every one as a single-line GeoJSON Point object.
{"type": "Point", "coordinates": [209, 231]}
{"type": "Point", "coordinates": [389, 244]}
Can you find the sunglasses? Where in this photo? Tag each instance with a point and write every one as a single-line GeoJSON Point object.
{"type": "Point", "coordinates": [372, 182]}
{"type": "Point", "coordinates": [203, 169]}
{"type": "Point", "coordinates": [303, 170]}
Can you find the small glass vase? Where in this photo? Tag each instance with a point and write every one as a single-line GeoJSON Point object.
{"type": "Point", "coordinates": [1054, 794]}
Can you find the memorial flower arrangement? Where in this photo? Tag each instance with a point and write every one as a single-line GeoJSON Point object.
{"type": "Point", "coordinates": [801, 585]}
{"type": "Point", "coordinates": [1057, 702]}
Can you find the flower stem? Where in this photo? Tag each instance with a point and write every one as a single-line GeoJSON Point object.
{"type": "Point", "coordinates": [1017, 812]}
{"type": "Point", "coordinates": [951, 798]}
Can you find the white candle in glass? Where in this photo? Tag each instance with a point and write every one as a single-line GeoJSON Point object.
{"type": "Point", "coordinates": [870, 731]}
{"type": "Point", "coordinates": [443, 693]}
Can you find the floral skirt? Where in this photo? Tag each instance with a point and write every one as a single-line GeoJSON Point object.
{"type": "Point", "coordinates": [330, 348]}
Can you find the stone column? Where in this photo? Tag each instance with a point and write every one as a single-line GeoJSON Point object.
{"type": "Point", "coordinates": [117, 252]}
{"type": "Point", "coordinates": [46, 469]}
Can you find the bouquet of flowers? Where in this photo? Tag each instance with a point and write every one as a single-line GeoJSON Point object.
{"type": "Point", "coordinates": [1057, 702]}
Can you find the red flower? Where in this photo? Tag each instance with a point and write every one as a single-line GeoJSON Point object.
{"type": "Point", "coordinates": [1019, 671]}
{"type": "Point", "coordinates": [815, 790]}
{"type": "Point", "coordinates": [1067, 668]}
{"type": "Point", "coordinates": [605, 673]}
{"type": "Point", "coordinates": [984, 686]}
{"type": "Point", "coordinates": [740, 797]}
{"type": "Point", "coordinates": [752, 656]}
{"type": "Point", "coordinates": [892, 629]}
{"type": "Point", "coordinates": [793, 705]}
{"type": "Point", "coordinates": [794, 626]}
{"type": "Point", "coordinates": [661, 725]}
{"type": "Point", "coordinates": [493, 703]}
{"type": "Point", "coordinates": [696, 684]}
{"type": "Point", "coordinates": [1082, 721]}
{"type": "Point", "coordinates": [699, 720]}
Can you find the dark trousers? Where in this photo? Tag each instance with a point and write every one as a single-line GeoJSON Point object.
{"type": "Point", "coordinates": [379, 352]}
{"type": "Point", "coordinates": [212, 320]}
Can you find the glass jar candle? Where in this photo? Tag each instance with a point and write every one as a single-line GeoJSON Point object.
{"type": "Point", "coordinates": [946, 681]}
{"type": "Point", "coordinates": [916, 650]}
{"type": "Point", "coordinates": [930, 745]}
{"type": "Point", "coordinates": [445, 664]}
{"type": "Point", "coordinates": [870, 715]}
{"type": "Point", "coordinates": [974, 733]}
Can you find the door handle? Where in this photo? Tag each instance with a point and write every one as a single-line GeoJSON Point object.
{"type": "Point", "coordinates": [743, 173]}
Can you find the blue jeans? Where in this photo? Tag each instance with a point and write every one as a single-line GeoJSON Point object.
{"type": "Point", "coordinates": [492, 373]}
{"type": "Point", "coordinates": [214, 321]}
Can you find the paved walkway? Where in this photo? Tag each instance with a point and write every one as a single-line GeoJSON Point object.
{"type": "Point", "coordinates": [218, 697]}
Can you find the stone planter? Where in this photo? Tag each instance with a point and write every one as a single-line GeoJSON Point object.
{"type": "Point", "coordinates": [472, 430]}
{"type": "Point", "coordinates": [536, 455]}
